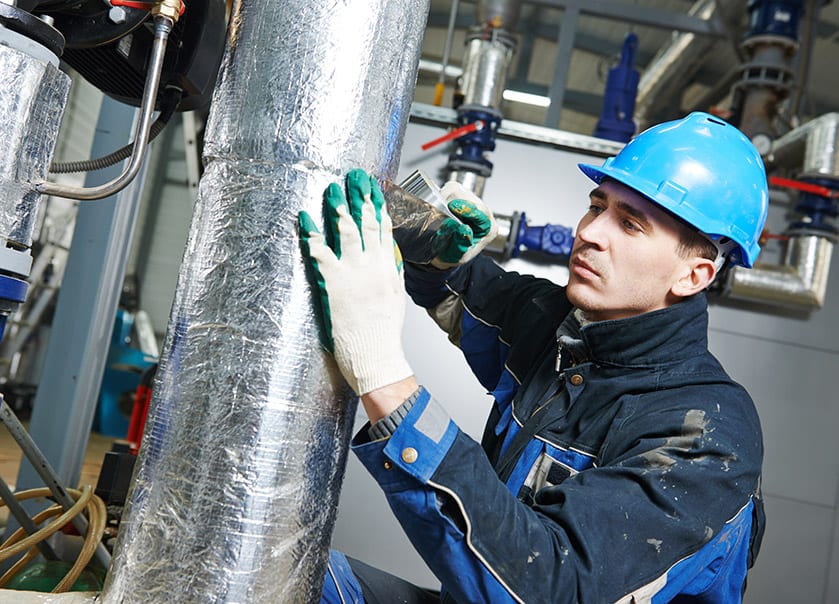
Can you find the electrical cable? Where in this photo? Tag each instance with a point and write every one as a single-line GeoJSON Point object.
{"type": "Point", "coordinates": [168, 104]}
{"type": "Point", "coordinates": [84, 499]}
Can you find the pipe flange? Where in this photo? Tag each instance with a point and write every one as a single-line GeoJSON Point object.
{"type": "Point", "coordinates": [463, 165]}
{"type": "Point", "coordinates": [24, 23]}
{"type": "Point", "coordinates": [773, 75]}
{"type": "Point", "coordinates": [491, 112]}
{"type": "Point", "coordinates": [801, 229]}
{"type": "Point", "coordinates": [789, 45]}
{"type": "Point", "coordinates": [492, 34]}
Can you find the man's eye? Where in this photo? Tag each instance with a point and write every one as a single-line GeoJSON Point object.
{"type": "Point", "coordinates": [630, 225]}
{"type": "Point", "coordinates": [595, 209]}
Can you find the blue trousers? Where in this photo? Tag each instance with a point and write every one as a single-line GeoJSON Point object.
{"type": "Point", "coordinates": [351, 581]}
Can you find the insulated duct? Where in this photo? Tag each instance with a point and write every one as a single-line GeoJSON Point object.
{"type": "Point", "coordinates": [237, 481]}
{"type": "Point", "coordinates": [32, 101]}
{"type": "Point", "coordinates": [664, 79]}
{"type": "Point", "coordinates": [800, 281]}
{"type": "Point", "coordinates": [489, 50]}
{"type": "Point", "coordinates": [812, 150]}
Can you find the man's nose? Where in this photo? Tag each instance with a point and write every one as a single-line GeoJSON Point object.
{"type": "Point", "coordinates": [593, 231]}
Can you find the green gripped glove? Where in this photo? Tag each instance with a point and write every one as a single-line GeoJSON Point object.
{"type": "Point", "coordinates": [357, 278]}
{"type": "Point", "coordinates": [458, 241]}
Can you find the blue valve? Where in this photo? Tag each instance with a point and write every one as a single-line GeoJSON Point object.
{"type": "Point", "coordinates": [469, 154]}
{"type": "Point", "coordinates": [775, 18]}
{"type": "Point", "coordinates": [818, 209]}
{"type": "Point", "coordinates": [552, 239]}
{"type": "Point", "coordinates": [12, 293]}
{"type": "Point", "coordinates": [615, 121]}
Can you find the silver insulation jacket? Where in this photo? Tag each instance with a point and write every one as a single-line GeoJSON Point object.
{"type": "Point", "coordinates": [32, 100]}
{"type": "Point", "coordinates": [235, 492]}
{"type": "Point", "coordinates": [485, 69]}
{"type": "Point", "coordinates": [416, 224]}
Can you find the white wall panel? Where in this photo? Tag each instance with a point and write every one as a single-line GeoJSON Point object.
{"type": "Point", "coordinates": [832, 589]}
{"type": "Point", "coordinates": [792, 567]}
{"type": "Point", "coordinates": [789, 384]}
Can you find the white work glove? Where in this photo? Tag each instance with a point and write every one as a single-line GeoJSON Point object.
{"type": "Point", "coordinates": [358, 282]}
{"type": "Point", "coordinates": [459, 242]}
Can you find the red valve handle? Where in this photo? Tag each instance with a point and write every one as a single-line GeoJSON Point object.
{"type": "Point", "coordinates": [453, 134]}
{"type": "Point", "coordinates": [141, 5]}
{"type": "Point", "coordinates": [803, 186]}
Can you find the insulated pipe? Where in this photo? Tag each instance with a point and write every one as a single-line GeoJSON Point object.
{"type": "Point", "coordinates": [800, 281]}
{"type": "Point", "coordinates": [665, 77]}
{"type": "Point", "coordinates": [489, 51]}
{"type": "Point", "coordinates": [236, 487]}
{"type": "Point", "coordinates": [813, 148]}
{"type": "Point", "coordinates": [801, 278]}
{"type": "Point", "coordinates": [32, 101]}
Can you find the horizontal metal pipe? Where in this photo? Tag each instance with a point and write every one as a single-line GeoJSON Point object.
{"type": "Point", "coordinates": [813, 148]}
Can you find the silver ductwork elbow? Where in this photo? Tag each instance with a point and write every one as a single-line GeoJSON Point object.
{"type": "Point", "coordinates": [812, 149]}
{"type": "Point", "coordinates": [800, 281]}
{"type": "Point", "coordinates": [811, 152]}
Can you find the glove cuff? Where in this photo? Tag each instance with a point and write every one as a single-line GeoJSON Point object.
{"type": "Point", "coordinates": [370, 359]}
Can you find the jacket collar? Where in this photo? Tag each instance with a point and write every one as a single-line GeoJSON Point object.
{"type": "Point", "coordinates": [659, 337]}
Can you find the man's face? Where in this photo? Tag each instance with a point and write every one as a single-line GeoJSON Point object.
{"type": "Point", "coordinates": [624, 261]}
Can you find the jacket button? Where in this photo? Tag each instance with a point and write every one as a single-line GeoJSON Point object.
{"type": "Point", "coordinates": [409, 455]}
{"type": "Point", "coordinates": [576, 379]}
{"type": "Point", "coordinates": [388, 465]}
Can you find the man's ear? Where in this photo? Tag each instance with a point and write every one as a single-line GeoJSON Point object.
{"type": "Point", "coordinates": [697, 275]}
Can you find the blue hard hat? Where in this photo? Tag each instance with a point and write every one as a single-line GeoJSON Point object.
{"type": "Point", "coordinates": [704, 171]}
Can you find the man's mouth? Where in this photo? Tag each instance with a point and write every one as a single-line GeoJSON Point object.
{"type": "Point", "coordinates": [583, 269]}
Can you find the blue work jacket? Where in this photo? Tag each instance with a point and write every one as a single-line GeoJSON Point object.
{"type": "Point", "coordinates": [620, 463]}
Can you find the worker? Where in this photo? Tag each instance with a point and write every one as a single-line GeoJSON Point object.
{"type": "Point", "coordinates": [619, 463]}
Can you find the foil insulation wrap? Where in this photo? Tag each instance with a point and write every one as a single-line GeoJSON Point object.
{"type": "Point", "coordinates": [237, 481]}
{"type": "Point", "coordinates": [416, 225]}
{"type": "Point", "coordinates": [485, 69]}
{"type": "Point", "coordinates": [32, 100]}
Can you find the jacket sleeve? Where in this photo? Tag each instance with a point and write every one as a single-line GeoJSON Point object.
{"type": "Point", "coordinates": [501, 320]}
{"type": "Point", "coordinates": [668, 502]}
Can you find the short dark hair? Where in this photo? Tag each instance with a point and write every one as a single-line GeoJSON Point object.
{"type": "Point", "coordinates": [693, 243]}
